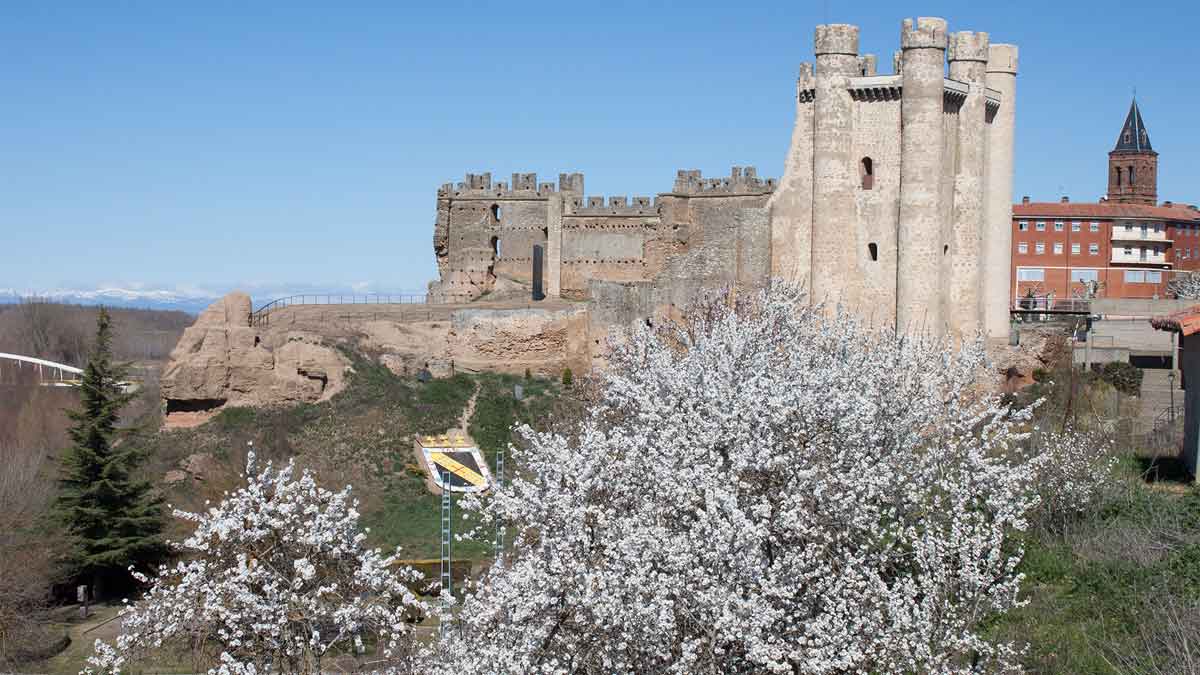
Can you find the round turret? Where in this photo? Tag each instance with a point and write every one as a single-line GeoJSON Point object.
{"type": "Point", "coordinates": [968, 46]}
{"type": "Point", "coordinates": [927, 33]}
{"type": "Point", "coordinates": [836, 38]}
{"type": "Point", "coordinates": [1002, 58]}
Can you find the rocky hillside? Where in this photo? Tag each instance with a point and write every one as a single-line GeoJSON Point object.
{"type": "Point", "coordinates": [361, 435]}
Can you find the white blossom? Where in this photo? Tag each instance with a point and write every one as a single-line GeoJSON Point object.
{"type": "Point", "coordinates": [1185, 285]}
{"type": "Point", "coordinates": [763, 489]}
{"type": "Point", "coordinates": [273, 578]}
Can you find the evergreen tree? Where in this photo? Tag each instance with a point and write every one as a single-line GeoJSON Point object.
{"type": "Point", "coordinates": [114, 520]}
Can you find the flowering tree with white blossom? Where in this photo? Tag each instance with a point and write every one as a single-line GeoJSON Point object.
{"type": "Point", "coordinates": [1185, 285]}
{"type": "Point", "coordinates": [274, 578]}
{"type": "Point", "coordinates": [768, 487]}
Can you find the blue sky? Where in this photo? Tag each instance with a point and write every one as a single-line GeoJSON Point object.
{"type": "Point", "coordinates": [215, 144]}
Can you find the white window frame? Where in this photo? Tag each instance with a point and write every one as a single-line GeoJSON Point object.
{"type": "Point", "coordinates": [1153, 277]}
{"type": "Point", "coordinates": [1059, 226]}
{"type": "Point", "coordinates": [1135, 276]}
{"type": "Point", "coordinates": [1093, 249]}
{"type": "Point", "coordinates": [1076, 226]}
{"type": "Point", "coordinates": [1058, 248]}
{"type": "Point", "coordinates": [1022, 247]}
{"type": "Point", "coordinates": [1095, 226]}
{"type": "Point", "coordinates": [1023, 226]}
{"type": "Point", "coordinates": [1031, 274]}
{"type": "Point", "coordinates": [1085, 274]}
{"type": "Point", "coordinates": [1040, 226]}
{"type": "Point", "coordinates": [1040, 248]}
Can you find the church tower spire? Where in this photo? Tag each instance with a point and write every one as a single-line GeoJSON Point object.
{"type": "Point", "coordinates": [1133, 163]}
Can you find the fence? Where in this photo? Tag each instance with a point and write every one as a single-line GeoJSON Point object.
{"type": "Point", "coordinates": [262, 315]}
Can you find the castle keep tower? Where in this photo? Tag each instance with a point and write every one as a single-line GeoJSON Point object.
{"type": "Point", "coordinates": [1133, 164]}
{"type": "Point", "coordinates": [896, 196]}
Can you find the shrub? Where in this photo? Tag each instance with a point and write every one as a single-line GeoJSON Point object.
{"type": "Point", "coordinates": [1124, 377]}
{"type": "Point", "coordinates": [764, 489]}
{"type": "Point", "coordinates": [274, 578]}
{"type": "Point", "coordinates": [567, 377]}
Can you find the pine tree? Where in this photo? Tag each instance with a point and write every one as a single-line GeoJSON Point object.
{"type": "Point", "coordinates": [114, 520]}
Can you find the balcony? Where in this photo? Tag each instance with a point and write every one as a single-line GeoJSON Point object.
{"type": "Point", "coordinates": [1119, 233]}
{"type": "Point", "coordinates": [1139, 257]}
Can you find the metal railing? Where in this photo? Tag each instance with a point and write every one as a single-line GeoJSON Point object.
{"type": "Point", "coordinates": [261, 316]}
{"type": "Point", "coordinates": [1048, 304]}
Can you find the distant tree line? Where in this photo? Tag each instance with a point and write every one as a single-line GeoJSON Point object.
{"type": "Point", "coordinates": [62, 333]}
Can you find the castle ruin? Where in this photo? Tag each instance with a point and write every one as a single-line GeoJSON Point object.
{"type": "Point", "coordinates": [895, 202]}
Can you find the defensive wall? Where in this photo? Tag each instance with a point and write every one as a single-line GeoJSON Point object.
{"type": "Point", "coordinates": [895, 202]}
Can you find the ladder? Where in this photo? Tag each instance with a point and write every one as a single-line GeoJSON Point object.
{"type": "Point", "coordinates": [499, 524]}
{"type": "Point", "coordinates": [447, 507]}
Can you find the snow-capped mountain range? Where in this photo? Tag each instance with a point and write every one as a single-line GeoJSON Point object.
{"type": "Point", "coordinates": [190, 300]}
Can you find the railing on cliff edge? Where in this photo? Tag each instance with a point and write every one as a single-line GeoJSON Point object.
{"type": "Point", "coordinates": [262, 315]}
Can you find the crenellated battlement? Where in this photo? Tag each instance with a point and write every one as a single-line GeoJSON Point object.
{"type": "Point", "coordinates": [927, 32]}
{"type": "Point", "coordinates": [968, 46]}
{"type": "Point", "coordinates": [523, 186]}
{"type": "Point", "coordinates": [867, 64]}
{"type": "Point", "coordinates": [613, 206]}
{"type": "Point", "coordinates": [836, 38]}
{"type": "Point", "coordinates": [741, 181]}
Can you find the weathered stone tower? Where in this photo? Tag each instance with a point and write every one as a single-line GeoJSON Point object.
{"type": "Point", "coordinates": [1133, 164]}
{"type": "Point", "coordinates": [896, 196]}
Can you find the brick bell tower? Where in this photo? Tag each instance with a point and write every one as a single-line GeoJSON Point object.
{"type": "Point", "coordinates": [1133, 164]}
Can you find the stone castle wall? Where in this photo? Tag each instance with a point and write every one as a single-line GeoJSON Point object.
{"type": "Point", "coordinates": [895, 201]}
{"type": "Point", "coordinates": [896, 196]}
{"type": "Point", "coordinates": [486, 231]}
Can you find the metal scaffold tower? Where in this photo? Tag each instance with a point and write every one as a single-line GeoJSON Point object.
{"type": "Point", "coordinates": [499, 478]}
{"type": "Point", "coordinates": [447, 508]}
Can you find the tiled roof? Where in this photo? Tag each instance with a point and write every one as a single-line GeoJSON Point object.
{"type": "Point", "coordinates": [1104, 210]}
{"type": "Point", "coordinates": [1134, 137]}
{"type": "Point", "coordinates": [1186, 321]}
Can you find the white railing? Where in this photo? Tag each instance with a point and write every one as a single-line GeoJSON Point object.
{"type": "Point", "coordinates": [42, 363]}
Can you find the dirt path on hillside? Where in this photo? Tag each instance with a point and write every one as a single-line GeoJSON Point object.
{"type": "Point", "coordinates": [469, 410]}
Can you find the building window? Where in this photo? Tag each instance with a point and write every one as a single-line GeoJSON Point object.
{"type": "Point", "coordinates": [1157, 250]}
{"type": "Point", "coordinates": [1135, 276]}
{"type": "Point", "coordinates": [1195, 252]}
{"type": "Point", "coordinates": [1075, 249]}
{"type": "Point", "coordinates": [1039, 248]}
{"type": "Point", "coordinates": [1023, 226]}
{"type": "Point", "coordinates": [1153, 277]}
{"type": "Point", "coordinates": [1084, 275]}
{"type": "Point", "coordinates": [1041, 226]}
{"type": "Point", "coordinates": [866, 171]}
{"type": "Point", "coordinates": [1093, 249]}
{"type": "Point", "coordinates": [1076, 225]}
{"type": "Point", "coordinates": [1058, 226]}
{"type": "Point", "coordinates": [1022, 247]}
{"type": "Point", "coordinates": [1117, 170]}
{"type": "Point", "coordinates": [1095, 226]}
{"type": "Point", "coordinates": [1031, 274]}
{"type": "Point", "coordinates": [1132, 180]}
{"type": "Point", "coordinates": [1058, 248]}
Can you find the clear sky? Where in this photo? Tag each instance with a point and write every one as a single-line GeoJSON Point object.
{"type": "Point", "coordinates": [219, 143]}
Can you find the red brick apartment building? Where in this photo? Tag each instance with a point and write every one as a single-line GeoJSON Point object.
{"type": "Point", "coordinates": [1126, 241]}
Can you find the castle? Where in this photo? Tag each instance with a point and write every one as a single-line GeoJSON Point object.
{"type": "Point", "coordinates": [896, 201]}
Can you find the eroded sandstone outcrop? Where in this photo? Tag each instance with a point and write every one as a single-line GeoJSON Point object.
{"type": "Point", "coordinates": [221, 360]}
